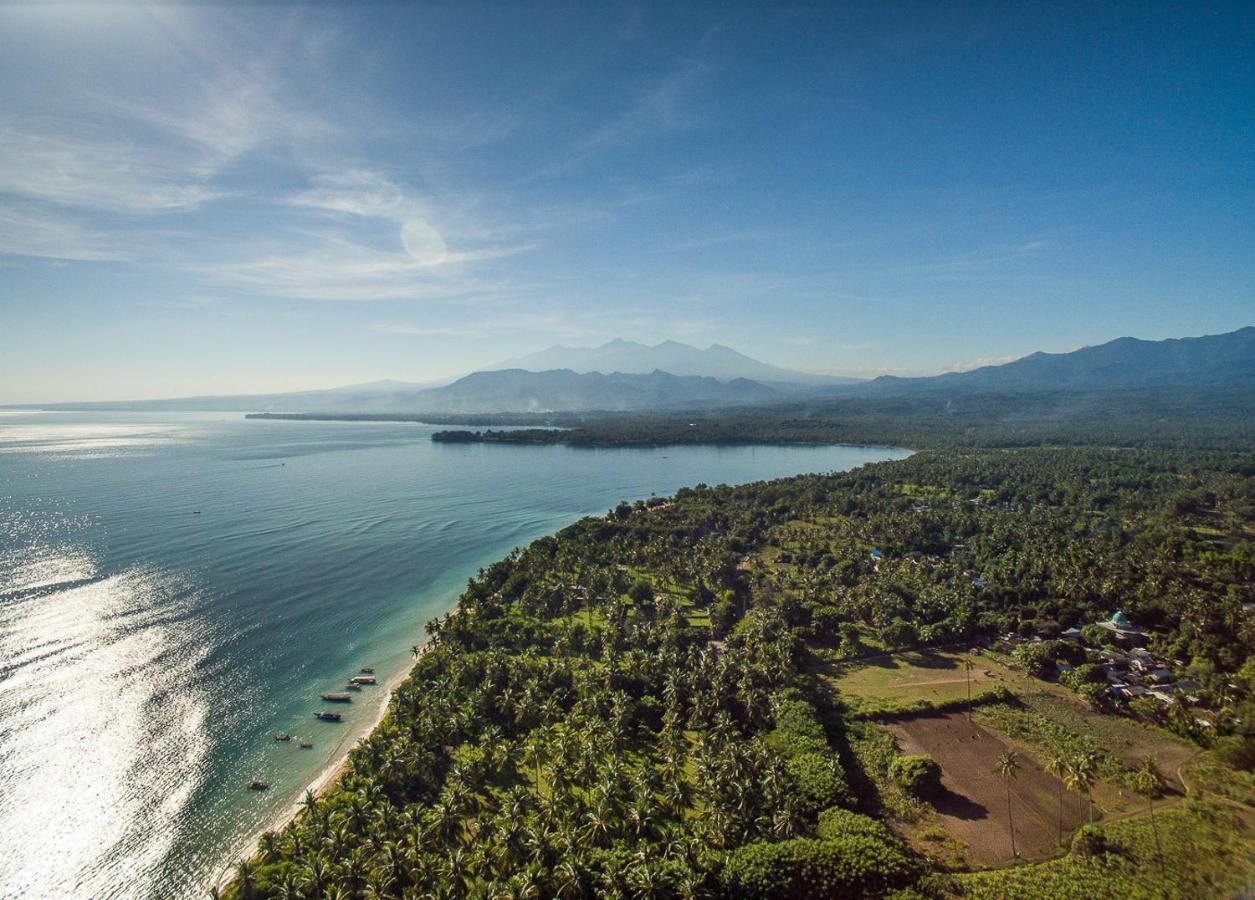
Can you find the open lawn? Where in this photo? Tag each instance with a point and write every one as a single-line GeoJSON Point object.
{"type": "Point", "coordinates": [896, 680]}
{"type": "Point", "coordinates": [973, 806]}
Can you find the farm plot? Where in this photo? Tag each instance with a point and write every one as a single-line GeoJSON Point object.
{"type": "Point", "coordinates": [973, 805]}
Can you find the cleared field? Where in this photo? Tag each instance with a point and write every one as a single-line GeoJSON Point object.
{"type": "Point", "coordinates": [973, 807]}
{"type": "Point", "coordinates": [884, 682]}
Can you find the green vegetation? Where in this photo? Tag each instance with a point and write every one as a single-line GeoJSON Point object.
{"type": "Point", "coordinates": [1204, 853]}
{"type": "Point", "coordinates": [644, 704]}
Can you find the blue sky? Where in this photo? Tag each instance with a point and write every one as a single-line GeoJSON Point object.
{"type": "Point", "coordinates": [213, 198]}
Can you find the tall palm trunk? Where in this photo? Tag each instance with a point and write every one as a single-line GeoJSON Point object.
{"type": "Point", "coordinates": [1154, 827]}
{"type": "Point", "coordinates": [1010, 821]}
{"type": "Point", "coordinates": [1060, 811]}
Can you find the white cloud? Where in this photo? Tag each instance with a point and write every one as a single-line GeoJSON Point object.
{"type": "Point", "coordinates": [52, 234]}
{"type": "Point", "coordinates": [62, 163]}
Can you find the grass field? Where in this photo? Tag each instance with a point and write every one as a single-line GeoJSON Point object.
{"type": "Point", "coordinates": [890, 681]}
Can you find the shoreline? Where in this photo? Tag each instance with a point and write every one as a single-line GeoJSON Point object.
{"type": "Point", "coordinates": [324, 780]}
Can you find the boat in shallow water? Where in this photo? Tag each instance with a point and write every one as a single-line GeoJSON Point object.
{"type": "Point", "coordinates": [363, 679]}
{"type": "Point", "coordinates": [258, 785]}
{"type": "Point", "coordinates": [326, 716]}
{"type": "Point", "coordinates": [337, 698]}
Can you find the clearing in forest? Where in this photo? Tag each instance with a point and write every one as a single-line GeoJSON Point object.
{"type": "Point", "coordinates": [973, 805]}
{"type": "Point", "coordinates": [935, 676]}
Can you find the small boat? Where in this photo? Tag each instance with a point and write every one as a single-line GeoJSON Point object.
{"type": "Point", "coordinates": [306, 745]}
{"type": "Point", "coordinates": [256, 785]}
{"type": "Point", "coordinates": [283, 736]}
{"type": "Point", "coordinates": [326, 716]}
{"type": "Point", "coordinates": [362, 679]}
{"type": "Point", "coordinates": [352, 687]}
{"type": "Point", "coordinates": [367, 670]}
{"type": "Point", "coordinates": [337, 698]}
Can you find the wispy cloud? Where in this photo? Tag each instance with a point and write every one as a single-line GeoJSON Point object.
{"type": "Point", "coordinates": [63, 163]}
{"type": "Point", "coordinates": [668, 104]}
{"type": "Point", "coordinates": [55, 234]}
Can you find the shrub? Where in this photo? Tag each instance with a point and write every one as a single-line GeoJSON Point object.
{"type": "Point", "coordinates": [852, 865]}
{"type": "Point", "coordinates": [837, 823]}
{"type": "Point", "coordinates": [1237, 751]}
{"type": "Point", "coordinates": [820, 781]}
{"type": "Point", "coordinates": [919, 776]}
{"type": "Point", "coordinates": [1090, 840]}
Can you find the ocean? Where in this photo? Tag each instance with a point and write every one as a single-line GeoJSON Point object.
{"type": "Point", "coordinates": [177, 588]}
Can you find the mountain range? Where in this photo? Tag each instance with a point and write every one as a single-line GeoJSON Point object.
{"type": "Point", "coordinates": [1220, 360]}
{"type": "Point", "coordinates": [609, 378]}
{"type": "Point", "coordinates": [631, 358]}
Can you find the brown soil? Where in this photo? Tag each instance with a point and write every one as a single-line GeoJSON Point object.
{"type": "Point", "coordinates": [973, 806]}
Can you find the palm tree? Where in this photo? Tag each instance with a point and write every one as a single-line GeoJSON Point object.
{"type": "Point", "coordinates": [967, 670]}
{"type": "Point", "coordinates": [1150, 784]}
{"type": "Point", "coordinates": [1082, 773]}
{"type": "Point", "coordinates": [1008, 764]}
{"type": "Point", "coordinates": [1057, 765]}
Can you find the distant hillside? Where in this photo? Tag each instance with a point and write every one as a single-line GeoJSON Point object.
{"type": "Point", "coordinates": [716, 361]}
{"type": "Point", "coordinates": [1219, 361]}
{"type": "Point", "coordinates": [515, 390]}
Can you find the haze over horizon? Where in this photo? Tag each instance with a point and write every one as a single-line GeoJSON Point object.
{"type": "Point", "coordinates": [216, 199]}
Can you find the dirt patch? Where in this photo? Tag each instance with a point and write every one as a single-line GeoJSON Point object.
{"type": "Point", "coordinates": [973, 806]}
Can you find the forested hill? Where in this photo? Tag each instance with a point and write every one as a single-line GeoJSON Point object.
{"type": "Point", "coordinates": [1221, 362]}
{"type": "Point", "coordinates": [643, 706]}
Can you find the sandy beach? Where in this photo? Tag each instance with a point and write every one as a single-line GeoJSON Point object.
{"type": "Point", "coordinates": [327, 777]}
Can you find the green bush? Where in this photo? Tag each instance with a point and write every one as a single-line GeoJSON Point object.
{"type": "Point", "coordinates": [820, 781]}
{"type": "Point", "coordinates": [852, 865]}
{"type": "Point", "coordinates": [1090, 840]}
{"type": "Point", "coordinates": [837, 823]}
{"type": "Point", "coordinates": [1238, 751]}
{"type": "Point", "coordinates": [919, 776]}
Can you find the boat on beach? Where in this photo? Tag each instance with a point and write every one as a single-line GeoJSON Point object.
{"type": "Point", "coordinates": [326, 716]}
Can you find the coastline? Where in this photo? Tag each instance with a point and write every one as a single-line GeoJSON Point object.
{"type": "Point", "coordinates": [325, 780]}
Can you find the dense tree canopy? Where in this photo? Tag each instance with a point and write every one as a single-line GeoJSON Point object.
{"type": "Point", "coordinates": [629, 707]}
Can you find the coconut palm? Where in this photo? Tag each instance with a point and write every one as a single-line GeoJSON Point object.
{"type": "Point", "coordinates": [967, 671]}
{"type": "Point", "coordinates": [1082, 773]}
{"type": "Point", "coordinates": [1006, 767]}
{"type": "Point", "coordinates": [1150, 784]}
{"type": "Point", "coordinates": [1057, 765]}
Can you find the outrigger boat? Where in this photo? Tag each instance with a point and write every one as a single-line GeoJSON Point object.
{"type": "Point", "coordinates": [326, 716]}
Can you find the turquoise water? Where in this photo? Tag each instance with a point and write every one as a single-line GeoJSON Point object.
{"type": "Point", "coordinates": [176, 588]}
